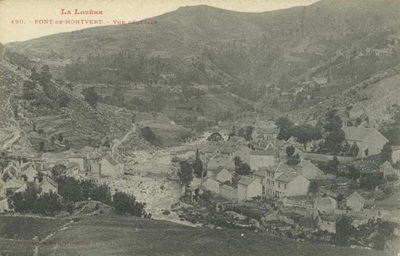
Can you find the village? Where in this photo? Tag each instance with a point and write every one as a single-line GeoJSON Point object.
{"type": "Point", "coordinates": [244, 178]}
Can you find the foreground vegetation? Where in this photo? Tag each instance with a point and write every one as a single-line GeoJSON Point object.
{"type": "Point", "coordinates": [118, 235]}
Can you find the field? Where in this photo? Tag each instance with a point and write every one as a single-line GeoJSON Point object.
{"type": "Point", "coordinates": [17, 233]}
{"type": "Point", "coordinates": [118, 235]}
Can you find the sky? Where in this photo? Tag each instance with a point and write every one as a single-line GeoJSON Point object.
{"type": "Point", "coordinates": [22, 20]}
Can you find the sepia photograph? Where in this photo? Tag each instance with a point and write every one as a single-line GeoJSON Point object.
{"type": "Point", "coordinates": [200, 127]}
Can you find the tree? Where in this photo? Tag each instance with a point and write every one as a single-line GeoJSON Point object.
{"type": "Point", "coordinates": [346, 148]}
{"type": "Point", "coordinates": [371, 180]}
{"type": "Point", "coordinates": [67, 145]}
{"type": "Point", "coordinates": [332, 165]}
{"type": "Point", "coordinates": [150, 136]}
{"type": "Point", "coordinates": [285, 128]}
{"type": "Point", "coordinates": [127, 204]}
{"type": "Point", "coordinates": [306, 133]}
{"type": "Point", "coordinates": [25, 201]}
{"type": "Point", "coordinates": [87, 187]}
{"type": "Point", "coordinates": [241, 168]}
{"type": "Point", "coordinates": [290, 151]}
{"type": "Point", "coordinates": [52, 139]}
{"type": "Point", "coordinates": [48, 204]}
{"type": "Point", "coordinates": [333, 141]}
{"type": "Point", "coordinates": [216, 136]}
{"type": "Point", "coordinates": [313, 187]}
{"type": "Point", "coordinates": [387, 153]}
{"type": "Point", "coordinates": [185, 174]}
{"type": "Point", "coordinates": [91, 96]}
{"type": "Point", "coordinates": [101, 193]}
{"type": "Point", "coordinates": [70, 189]}
{"type": "Point", "coordinates": [58, 171]}
{"type": "Point", "coordinates": [334, 122]}
{"type": "Point", "coordinates": [354, 150]}
{"type": "Point", "coordinates": [198, 166]}
{"type": "Point", "coordinates": [354, 173]}
{"type": "Point", "coordinates": [41, 146]}
{"type": "Point", "coordinates": [294, 159]}
{"type": "Point", "coordinates": [343, 230]}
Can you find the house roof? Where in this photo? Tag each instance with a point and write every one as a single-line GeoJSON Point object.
{"type": "Point", "coordinates": [71, 165]}
{"type": "Point", "coordinates": [48, 180]}
{"type": "Point", "coordinates": [246, 180]}
{"type": "Point", "coordinates": [281, 167]}
{"type": "Point", "coordinates": [221, 161]}
{"type": "Point", "coordinates": [208, 179]}
{"type": "Point", "coordinates": [262, 153]}
{"type": "Point", "coordinates": [228, 187]}
{"type": "Point", "coordinates": [356, 195]}
{"type": "Point", "coordinates": [357, 133]}
{"type": "Point", "coordinates": [218, 170]}
{"type": "Point", "coordinates": [260, 172]}
{"type": "Point", "coordinates": [12, 183]}
{"type": "Point", "coordinates": [111, 160]}
{"type": "Point", "coordinates": [391, 202]}
{"type": "Point", "coordinates": [25, 167]}
{"type": "Point", "coordinates": [287, 177]}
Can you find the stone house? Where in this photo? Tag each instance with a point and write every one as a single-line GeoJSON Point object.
{"type": "Point", "coordinates": [228, 192]}
{"type": "Point", "coordinates": [28, 172]}
{"type": "Point", "coordinates": [260, 175]}
{"type": "Point", "coordinates": [355, 202]}
{"type": "Point", "coordinates": [272, 173]}
{"type": "Point", "coordinates": [261, 158]}
{"type": "Point", "coordinates": [220, 174]}
{"type": "Point", "coordinates": [395, 154]}
{"type": "Point", "coordinates": [10, 171]}
{"type": "Point", "coordinates": [369, 140]}
{"type": "Point", "coordinates": [11, 185]}
{"type": "Point", "coordinates": [218, 161]}
{"type": "Point", "coordinates": [248, 188]}
{"type": "Point", "coordinates": [109, 167]}
{"type": "Point", "coordinates": [265, 133]}
{"type": "Point", "coordinates": [4, 206]}
{"type": "Point", "coordinates": [291, 184]}
{"type": "Point", "coordinates": [387, 169]}
{"type": "Point", "coordinates": [325, 204]}
{"type": "Point", "coordinates": [309, 170]}
{"type": "Point", "coordinates": [209, 184]}
{"type": "Point", "coordinates": [48, 185]}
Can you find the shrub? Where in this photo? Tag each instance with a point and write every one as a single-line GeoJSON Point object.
{"type": "Point", "coordinates": [127, 204]}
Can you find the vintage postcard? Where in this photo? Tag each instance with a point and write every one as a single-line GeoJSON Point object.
{"type": "Point", "coordinates": [199, 127]}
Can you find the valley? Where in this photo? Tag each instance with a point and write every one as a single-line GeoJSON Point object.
{"type": "Point", "coordinates": [211, 132]}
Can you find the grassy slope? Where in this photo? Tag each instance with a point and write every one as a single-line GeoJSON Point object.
{"type": "Point", "coordinates": [22, 230]}
{"type": "Point", "coordinates": [131, 236]}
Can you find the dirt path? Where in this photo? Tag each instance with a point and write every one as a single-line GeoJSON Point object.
{"type": "Point", "coordinates": [17, 135]}
{"type": "Point", "coordinates": [116, 145]}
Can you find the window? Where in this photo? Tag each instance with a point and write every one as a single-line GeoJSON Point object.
{"type": "Point", "coordinates": [284, 186]}
{"type": "Point", "coordinates": [279, 185]}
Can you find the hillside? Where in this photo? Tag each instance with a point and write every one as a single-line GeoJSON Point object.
{"type": "Point", "coordinates": [200, 65]}
{"type": "Point", "coordinates": [248, 54]}
{"type": "Point", "coordinates": [131, 236]}
{"type": "Point", "coordinates": [35, 111]}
